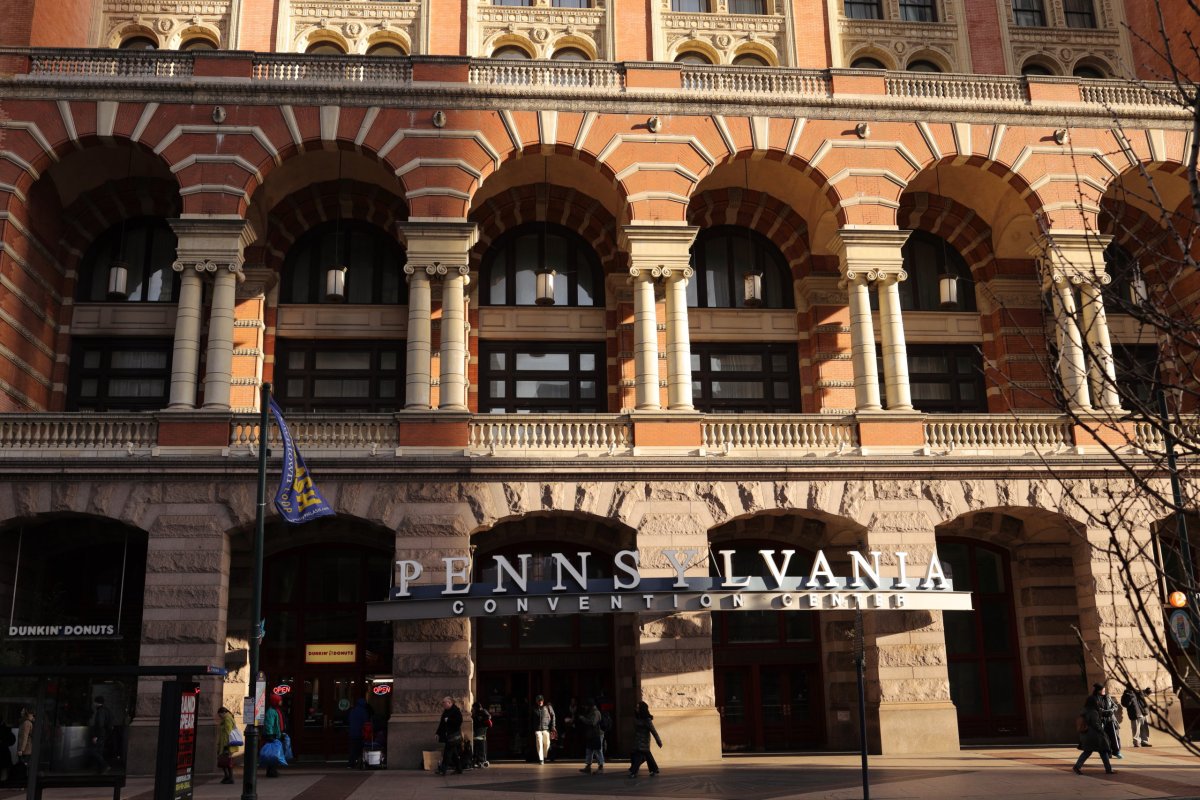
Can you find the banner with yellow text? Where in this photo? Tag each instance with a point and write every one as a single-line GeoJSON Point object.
{"type": "Point", "coordinates": [298, 499]}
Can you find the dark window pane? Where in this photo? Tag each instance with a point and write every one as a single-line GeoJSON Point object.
{"type": "Point", "coordinates": [374, 263]}
{"type": "Point", "coordinates": [119, 375]}
{"type": "Point", "coordinates": [352, 376]}
{"type": "Point", "coordinates": [723, 255]}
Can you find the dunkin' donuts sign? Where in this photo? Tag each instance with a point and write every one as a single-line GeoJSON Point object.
{"type": "Point", "coordinates": [511, 592]}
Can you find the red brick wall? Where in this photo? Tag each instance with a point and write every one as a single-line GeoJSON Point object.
{"type": "Point", "coordinates": [18, 21]}
{"type": "Point", "coordinates": [813, 45]}
{"type": "Point", "coordinates": [1142, 16]}
{"type": "Point", "coordinates": [258, 29]}
{"type": "Point", "coordinates": [633, 30]}
{"type": "Point", "coordinates": [448, 34]}
{"type": "Point", "coordinates": [983, 31]}
{"type": "Point", "coordinates": [61, 23]}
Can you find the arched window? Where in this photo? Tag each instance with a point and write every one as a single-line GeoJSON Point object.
{"type": "Point", "coordinates": [1035, 68]}
{"type": "Point", "coordinates": [386, 49]}
{"type": "Point", "coordinates": [145, 248]}
{"type": "Point", "coordinates": [198, 43]}
{"type": "Point", "coordinates": [867, 63]}
{"type": "Point", "coordinates": [1126, 286]}
{"type": "Point", "coordinates": [927, 259]}
{"type": "Point", "coordinates": [325, 49]}
{"type": "Point", "coordinates": [373, 261]}
{"type": "Point", "coordinates": [723, 256]}
{"type": "Point", "coordinates": [923, 66]}
{"type": "Point", "coordinates": [570, 54]}
{"type": "Point", "coordinates": [1085, 71]}
{"type": "Point", "coordinates": [511, 266]}
{"type": "Point", "coordinates": [139, 43]}
{"type": "Point", "coordinates": [511, 52]}
{"type": "Point", "coordinates": [750, 60]}
{"type": "Point", "coordinates": [692, 57]}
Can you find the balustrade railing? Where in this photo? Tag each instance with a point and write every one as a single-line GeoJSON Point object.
{"type": "Point", "coordinates": [998, 433]}
{"type": "Point", "coordinates": [965, 88]}
{"type": "Point", "coordinates": [565, 435]}
{"type": "Point", "coordinates": [303, 68]}
{"type": "Point", "coordinates": [1148, 436]}
{"type": "Point", "coordinates": [768, 432]}
{"type": "Point", "coordinates": [1121, 93]}
{"type": "Point", "coordinates": [559, 75]}
{"type": "Point", "coordinates": [738, 80]}
{"type": "Point", "coordinates": [76, 432]}
{"type": "Point", "coordinates": [333, 433]}
{"type": "Point", "coordinates": [110, 64]}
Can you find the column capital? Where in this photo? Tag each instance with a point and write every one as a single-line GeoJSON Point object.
{"type": "Point", "coordinates": [257, 281]}
{"type": "Point", "coordinates": [661, 250]}
{"type": "Point", "coordinates": [1071, 256]}
{"type": "Point", "coordinates": [871, 252]}
{"type": "Point", "coordinates": [211, 244]}
{"type": "Point", "coordinates": [442, 246]}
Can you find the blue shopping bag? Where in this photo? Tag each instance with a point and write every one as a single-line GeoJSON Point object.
{"type": "Point", "coordinates": [272, 754]}
{"type": "Point", "coordinates": [287, 747]}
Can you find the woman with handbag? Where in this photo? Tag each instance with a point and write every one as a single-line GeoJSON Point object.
{"type": "Point", "coordinates": [226, 742]}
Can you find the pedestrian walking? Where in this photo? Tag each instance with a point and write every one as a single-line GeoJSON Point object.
{"type": "Point", "coordinates": [99, 730]}
{"type": "Point", "coordinates": [360, 717]}
{"type": "Point", "coordinates": [449, 733]}
{"type": "Point", "coordinates": [24, 744]}
{"type": "Point", "coordinates": [1091, 736]}
{"type": "Point", "coordinates": [225, 746]}
{"type": "Point", "coordinates": [1134, 703]}
{"type": "Point", "coordinates": [643, 729]}
{"type": "Point", "coordinates": [1109, 709]}
{"type": "Point", "coordinates": [481, 720]}
{"type": "Point", "coordinates": [587, 723]}
{"type": "Point", "coordinates": [545, 727]}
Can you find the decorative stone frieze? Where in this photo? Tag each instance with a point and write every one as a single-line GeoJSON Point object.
{"type": "Point", "coordinates": [1062, 48]}
{"type": "Point", "coordinates": [355, 26]}
{"type": "Point", "coordinates": [897, 43]}
{"type": "Point", "coordinates": [722, 37]}
{"type": "Point", "coordinates": [541, 29]}
{"type": "Point", "coordinates": [167, 24]}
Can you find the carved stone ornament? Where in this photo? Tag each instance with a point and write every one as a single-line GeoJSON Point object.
{"type": "Point", "coordinates": [205, 265]}
{"type": "Point", "coordinates": [725, 31]}
{"type": "Point", "coordinates": [724, 40]}
{"type": "Point", "coordinates": [540, 34]}
{"type": "Point", "coordinates": [167, 21]}
{"type": "Point", "coordinates": [899, 37]}
{"type": "Point", "coordinates": [165, 25]}
{"type": "Point", "coordinates": [544, 25]}
{"type": "Point", "coordinates": [359, 19]}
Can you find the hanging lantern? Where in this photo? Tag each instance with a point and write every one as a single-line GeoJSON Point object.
{"type": "Point", "coordinates": [948, 291]}
{"type": "Point", "coordinates": [335, 285]}
{"type": "Point", "coordinates": [118, 280]}
{"type": "Point", "coordinates": [1139, 293]}
{"type": "Point", "coordinates": [752, 281]}
{"type": "Point", "coordinates": [545, 287]}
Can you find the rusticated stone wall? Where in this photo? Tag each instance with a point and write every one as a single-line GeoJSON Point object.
{"type": "Point", "coordinates": [197, 587]}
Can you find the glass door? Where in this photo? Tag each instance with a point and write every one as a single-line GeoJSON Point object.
{"type": "Point", "coordinates": [320, 723]}
{"type": "Point", "coordinates": [733, 683]}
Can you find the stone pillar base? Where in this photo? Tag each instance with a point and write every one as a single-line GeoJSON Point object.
{"type": "Point", "coordinates": [408, 736]}
{"type": "Point", "coordinates": [916, 728]}
{"type": "Point", "coordinates": [690, 736]}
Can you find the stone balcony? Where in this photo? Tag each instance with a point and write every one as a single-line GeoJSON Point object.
{"type": "Point", "coordinates": [351, 80]}
{"type": "Point", "coordinates": [583, 438]}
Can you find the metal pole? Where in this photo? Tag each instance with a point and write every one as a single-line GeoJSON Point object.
{"type": "Point", "coordinates": [1185, 550]}
{"type": "Point", "coordinates": [860, 661]}
{"type": "Point", "coordinates": [250, 763]}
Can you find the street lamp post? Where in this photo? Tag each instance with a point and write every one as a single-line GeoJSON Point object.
{"type": "Point", "coordinates": [250, 764]}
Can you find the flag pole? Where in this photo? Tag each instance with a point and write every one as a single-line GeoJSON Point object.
{"type": "Point", "coordinates": [250, 763]}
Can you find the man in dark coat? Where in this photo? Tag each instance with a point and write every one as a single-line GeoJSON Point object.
{"type": "Point", "coordinates": [99, 729]}
{"type": "Point", "coordinates": [1108, 718]}
{"type": "Point", "coordinates": [1134, 703]}
{"type": "Point", "coordinates": [1093, 740]}
{"type": "Point", "coordinates": [449, 733]}
{"type": "Point", "coordinates": [360, 715]}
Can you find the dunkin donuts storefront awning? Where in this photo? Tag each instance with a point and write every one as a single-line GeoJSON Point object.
{"type": "Point", "coordinates": [512, 593]}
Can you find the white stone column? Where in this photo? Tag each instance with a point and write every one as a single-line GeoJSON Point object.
{"type": "Point", "coordinates": [185, 358]}
{"type": "Point", "coordinates": [454, 340]}
{"type": "Point", "coordinates": [417, 364]}
{"type": "Point", "coordinates": [218, 368]}
{"type": "Point", "coordinates": [437, 250]}
{"type": "Point", "coordinates": [1072, 368]}
{"type": "Point", "coordinates": [661, 251]}
{"type": "Point", "coordinates": [214, 246]}
{"type": "Point", "coordinates": [1102, 370]}
{"type": "Point", "coordinates": [679, 346]}
{"type": "Point", "coordinates": [891, 335]}
{"type": "Point", "coordinates": [873, 255]}
{"type": "Point", "coordinates": [645, 338]}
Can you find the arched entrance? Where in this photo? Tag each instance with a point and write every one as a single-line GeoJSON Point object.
{"type": "Point", "coordinates": [319, 652]}
{"type": "Point", "coordinates": [984, 659]}
{"type": "Point", "coordinates": [767, 664]}
{"type": "Point", "coordinates": [567, 658]}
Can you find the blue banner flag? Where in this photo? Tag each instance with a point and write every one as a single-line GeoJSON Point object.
{"type": "Point", "coordinates": [298, 499]}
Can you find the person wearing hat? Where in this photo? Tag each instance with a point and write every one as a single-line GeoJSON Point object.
{"type": "Point", "coordinates": [1108, 709]}
{"type": "Point", "coordinates": [544, 727]}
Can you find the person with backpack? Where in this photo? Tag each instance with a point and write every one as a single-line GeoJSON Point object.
{"type": "Point", "coordinates": [587, 722]}
{"type": "Point", "coordinates": [1091, 735]}
{"type": "Point", "coordinates": [1134, 703]}
{"type": "Point", "coordinates": [481, 719]}
{"type": "Point", "coordinates": [643, 729]}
